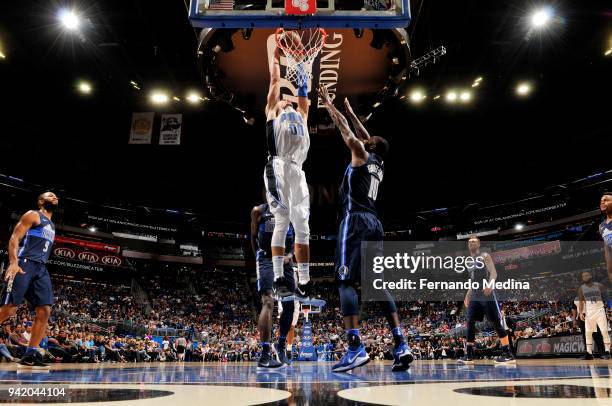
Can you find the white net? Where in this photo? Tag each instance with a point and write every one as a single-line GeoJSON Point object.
{"type": "Point", "coordinates": [300, 48]}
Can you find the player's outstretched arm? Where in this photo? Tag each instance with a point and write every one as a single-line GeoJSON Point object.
{"type": "Point", "coordinates": [255, 214]}
{"type": "Point", "coordinates": [358, 152]}
{"type": "Point", "coordinates": [274, 89]}
{"type": "Point", "coordinates": [360, 130]}
{"type": "Point", "coordinates": [608, 256]}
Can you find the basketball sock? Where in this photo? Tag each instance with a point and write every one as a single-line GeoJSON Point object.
{"type": "Point", "coordinates": [398, 336]}
{"type": "Point", "coordinates": [469, 349]}
{"type": "Point", "coordinates": [282, 343]}
{"type": "Point", "coordinates": [589, 348]}
{"type": "Point", "coordinates": [277, 266]}
{"type": "Point", "coordinates": [607, 346]}
{"type": "Point", "coordinates": [303, 273]}
{"type": "Point", "coordinates": [265, 348]}
{"type": "Point", "coordinates": [352, 336]}
{"type": "Point", "coordinates": [506, 349]}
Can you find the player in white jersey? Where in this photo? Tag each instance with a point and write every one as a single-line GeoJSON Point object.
{"type": "Point", "coordinates": [286, 188]}
{"type": "Point", "coordinates": [592, 310]}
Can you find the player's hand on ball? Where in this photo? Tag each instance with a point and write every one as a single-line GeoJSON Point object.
{"type": "Point", "coordinates": [12, 270]}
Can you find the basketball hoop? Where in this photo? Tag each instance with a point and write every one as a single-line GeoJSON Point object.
{"type": "Point", "coordinates": [300, 48]}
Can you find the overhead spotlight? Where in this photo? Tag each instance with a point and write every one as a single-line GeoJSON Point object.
{"type": "Point", "coordinates": [2, 56]}
{"type": "Point", "coordinates": [134, 85]}
{"type": "Point", "coordinates": [193, 98]}
{"type": "Point", "coordinates": [417, 96]}
{"type": "Point", "coordinates": [84, 87]}
{"type": "Point", "coordinates": [92, 229]}
{"type": "Point", "coordinates": [436, 97]}
{"type": "Point", "coordinates": [465, 96]}
{"type": "Point", "coordinates": [478, 79]}
{"type": "Point", "coordinates": [519, 227]}
{"type": "Point", "coordinates": [69, 19]}
{"type": "Point", "coordinates": [475, 84]}
{"type": "Point", "coordinates": [607, 53]}
{"type": "Point", "coordinates": [541, 17]}
{"type": "Point", "coordinates": [451, 96]}
{"type": "Point", "coordinates": [159, 97]}
{"type": "Point", "coordinates": [175, 98]}
{"type": "Point", "coordinates": [523, 89]}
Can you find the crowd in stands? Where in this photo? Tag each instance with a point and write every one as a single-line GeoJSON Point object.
{"type": "Point", "coordinates": [212, 317]}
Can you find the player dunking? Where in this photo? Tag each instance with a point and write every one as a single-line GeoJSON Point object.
{"type": "Point", "coordinates": [262, 226]}
{"type": "Point", "coordinates": [360, 223]}
{"type": "Point", "coordinates": [481, 302]}
{"type": "Point", "coordinates": [27, 277]}
{"type": "Point", "coordinates": [592, 310]}
{"type": "Point", "coordinates": [286, 188]}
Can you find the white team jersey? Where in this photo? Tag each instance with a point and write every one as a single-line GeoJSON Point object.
{"type": "Point", "coordinates": [593, 298]}
{"type": "Point", "coordinates": [291, 140]}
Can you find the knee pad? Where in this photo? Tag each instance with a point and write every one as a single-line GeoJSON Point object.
{"type": "Point", "coordinates": [349, 302]}
{"type": "Point", "coordinates": [302, 232]}
{"type": "Point", "coordinates": [281, 226]}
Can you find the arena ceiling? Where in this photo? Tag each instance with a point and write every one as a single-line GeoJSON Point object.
{"type": "Point", "coordinates": [498, 146]}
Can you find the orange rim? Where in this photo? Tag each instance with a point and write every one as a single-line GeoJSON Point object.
{"type": "Point", "coordinates": [280, 31]}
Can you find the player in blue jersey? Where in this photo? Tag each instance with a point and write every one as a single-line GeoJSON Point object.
{"type": "Point", "coordinates": [481, 302]}
{"type": "Point", "coordinates": [360, 223]}
{"type": "Point", "coordinates": [605, 229]}
{"type": "Point", "coordinates": [262, 229]}
{"type": "Point", "coordinates": [27, 277]}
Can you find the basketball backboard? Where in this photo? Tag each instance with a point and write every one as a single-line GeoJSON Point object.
{"type": "Point", "coordinates": [278, 13]}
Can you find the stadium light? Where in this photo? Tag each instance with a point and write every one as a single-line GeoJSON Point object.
{"type": "Point", "coordinates": [436, 97]}
{"type": "Point", "coordinates": [417, 96]}
{"type": "Point", "coordinates": [541, 18]}
{"type": "Point", "coordinates": [193, 97]}
{"type": "Point", "coordinates": [2, 56]}
{"type": "Point", "coordinates": [84, 87]}
{"type": "Point", "coordinates": [608, 52]}
{"type": "Point", "coordinates": [158, 97]}
{"type": "Point", "coordinates": [451, 96]}
{"type": "Point", "coordinates": [523, 89]}
{"type": "Point", "coordinates": [93, 229]}
{"type": "Point", "coordinates": [519, 227]}
{"type": "Point", "coordinates": [69, 19]}
{"type": "Point", "coordinates": [465, 96]}
{"type": "Point", "coordinates": [175, 98]}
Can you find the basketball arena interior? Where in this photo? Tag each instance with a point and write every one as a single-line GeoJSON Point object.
{"type": "Point", "coordinates": [232, 202]}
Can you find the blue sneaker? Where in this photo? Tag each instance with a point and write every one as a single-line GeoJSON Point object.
{"type": "Point", "coordinates": [402, 358]}
{"type": "Point", "coordinates": [282, 355]}
{"type": "Point", "coordinates": [352, 359]}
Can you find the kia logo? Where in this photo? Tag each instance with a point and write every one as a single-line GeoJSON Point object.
{"type": "Point", "coordinates": [88, 257]}
{"type": "Point", "coordinates": [64, 253]}
{"type": "Point", "coordinates": [111, 260]}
